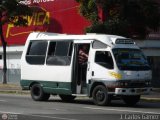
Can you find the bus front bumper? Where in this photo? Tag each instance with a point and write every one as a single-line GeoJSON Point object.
{"type": "Point", "coordinates": [132, 91]}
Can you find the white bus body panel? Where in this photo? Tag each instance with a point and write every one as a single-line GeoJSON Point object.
{"type": "Point", "coordinates": [49, 73]}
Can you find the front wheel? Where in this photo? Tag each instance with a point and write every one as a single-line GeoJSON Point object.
{"type": "Point", "coordinates": [38, 94]}
{"type": "Point", "coordinates": [131, 100]}
{"type": "Point", "coordinates": [100, 95]}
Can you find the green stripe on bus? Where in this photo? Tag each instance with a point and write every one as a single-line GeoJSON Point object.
{"type": "Point", "coordinates": [52, 87]}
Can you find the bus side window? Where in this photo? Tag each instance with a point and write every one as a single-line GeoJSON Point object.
{"type": "Point", "coordinates": [59, 53]}
{"type": "Point", "coordinates": [36, 52]}
{"type": "Point", "coordinates": [104, 59]}
{"type": "Point", "coordinates": [52, 47]}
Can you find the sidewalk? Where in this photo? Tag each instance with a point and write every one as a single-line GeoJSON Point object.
{"type": "Point", "coordinates": [153, 96]}
{"type": "Point", "coordinates": [16, 89]}
{"type": "Point", "coordinates": [11, 88]}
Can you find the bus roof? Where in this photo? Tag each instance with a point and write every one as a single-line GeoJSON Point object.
{"type": "Point", "coordinates": [110, 40]}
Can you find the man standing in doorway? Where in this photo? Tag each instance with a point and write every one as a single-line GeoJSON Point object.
{"type": "Point", "coordinates": [82, 60]}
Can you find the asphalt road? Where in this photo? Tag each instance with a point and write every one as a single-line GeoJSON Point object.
{"type": "Point", "coordinates": [20, 107]}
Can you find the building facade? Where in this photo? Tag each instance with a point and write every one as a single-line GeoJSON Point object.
{"type": "Point", "coordinates": [57, 16]}
{"type": "Point", "coordinates": [151, 49]}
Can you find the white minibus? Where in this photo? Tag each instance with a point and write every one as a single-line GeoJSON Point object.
{"type": "Point", "coordinates": [114, 67]}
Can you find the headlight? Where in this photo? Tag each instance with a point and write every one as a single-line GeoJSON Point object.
{"type": "Point", "coordinates": [148, 83]}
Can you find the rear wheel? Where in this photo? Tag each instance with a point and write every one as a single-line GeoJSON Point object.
{"type": "Point", "coordinates": [38, 94]}
{"type": "Point", "coordinates": [67, 98]}
{"type": "Point", "coordinates": [131, 100]}
{"type": "Point", "coordinates": [100, 95]}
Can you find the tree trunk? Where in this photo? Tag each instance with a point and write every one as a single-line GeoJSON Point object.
{"type": "Point", "coordinates": [4, 44]}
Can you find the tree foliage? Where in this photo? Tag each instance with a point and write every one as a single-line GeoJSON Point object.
{"type": "Point", "coordinates": [14, 12]}
{"type": "Point", "coordinates": [89, 10]}
{"type": "Point", "coordinates": [130, 18]}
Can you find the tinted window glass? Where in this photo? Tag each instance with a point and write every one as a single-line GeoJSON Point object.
{"type": "Point", "coordinates": [104, 59]}
{"type": "Point", "coordinates": [130, 59]}
{"type": "Point", "coordinates": [52, 47]}
{"type": "Point", "coordinates": [62, 48]}
{"type": "Point", "coordinates": [36, 52]}
{"type": "Point", "coordinates": [37, 48]}
{"type": "Point", "coordinates": [60, 53]}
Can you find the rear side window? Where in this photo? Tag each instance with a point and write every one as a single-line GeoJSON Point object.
{"type": "Point", "coordinates": [59, 53]}
{"type": "Point", "coordinates": [36, 52]}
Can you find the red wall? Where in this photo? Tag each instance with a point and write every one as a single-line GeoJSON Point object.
{"type": "Point", "coordinates": [59, 16]}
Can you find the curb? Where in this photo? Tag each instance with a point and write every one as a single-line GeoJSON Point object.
{"type": "Point", "coordinates": [20, 92]}
{"type": "Point", "coordinates": [150, 99]}
{"type": "Point", "coordinates": [156, 90]}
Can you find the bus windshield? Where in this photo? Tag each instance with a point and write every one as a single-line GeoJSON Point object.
{"type": "Point", "coordinates": [130, 59]}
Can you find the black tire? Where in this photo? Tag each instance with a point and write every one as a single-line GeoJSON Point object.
{"type": "Point", "coordinates": [131, 100]}
{"type": "Point", "coordinates": [100, 95]}
{"type": "Point", "coordinates": [67, 98]}
{"type": "Point", "coordinates": [38, 94]}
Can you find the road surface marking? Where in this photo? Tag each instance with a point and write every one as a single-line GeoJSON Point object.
{"type": "Point", "coordinates": [3, 101]}
{"type": "Point", "coordinates": [52, 117]}
{"type": "Point", "coordinates": [144, 112]}
{"type": "Point", "coordinates": [2, 112]}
